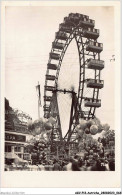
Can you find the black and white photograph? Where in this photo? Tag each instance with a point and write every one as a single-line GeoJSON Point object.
{"type": "Point", "coordinates": [60, 89]}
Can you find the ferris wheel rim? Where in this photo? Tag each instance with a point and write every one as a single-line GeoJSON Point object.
{"type": "Point", "coordinates": [73, 34]}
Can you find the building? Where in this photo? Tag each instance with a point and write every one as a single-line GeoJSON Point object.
{"type": "Point", "coordinates": [16, 134]}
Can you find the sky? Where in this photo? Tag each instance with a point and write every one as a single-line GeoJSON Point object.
{"type": "Point", "coordinates": [29, 33]}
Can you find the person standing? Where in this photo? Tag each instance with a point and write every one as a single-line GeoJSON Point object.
{"type": "Point", "coordinates": [69, 165]}
{"type": "Point", "coordinates": [57, 166]}
{"type": "Point", "coordinates": [42, 168]}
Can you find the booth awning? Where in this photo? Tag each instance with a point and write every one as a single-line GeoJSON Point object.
{"type": "Point", "coordinates": [17, 159]}
{"type": "Point", "coordinates": [11, 155]}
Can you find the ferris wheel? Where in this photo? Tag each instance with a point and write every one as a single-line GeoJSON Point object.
{"type": "Point", "coordinates": [84, 103]}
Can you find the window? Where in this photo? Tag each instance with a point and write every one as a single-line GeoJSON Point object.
{"type": "Point", "coordinates": [17, 149]}
{"type": "Point", "coordinates": [7, 148]}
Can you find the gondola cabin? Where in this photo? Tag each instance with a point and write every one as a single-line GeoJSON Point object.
{"type": "Point", "coordinates": [77, 15]}
{"type": "Point", "coordinates": [64, 28]}
{"type": "Point", "coordinates": [87, 23]}
{"type": "Point", "coordinates": [52, 66]}
{"type": "Point", "coordinates": [91, 33]}
{"type": "Point", "coordinates": [46, 108]}
{"type": "Point", "coordinates": [61, 35]}
{"type": "Point", "coordinates": [95, 64]}
{"type": "Point", "coordinates": [47, 98]}
{"type": "Point", "coordinates": [69, 22]}
{"type": "Point", "coordinates": [49, 88]}
{"type": "Point", "coordinates": [95, 83]}
{"type": "Point", "coordinates": [74, 17]}
{"type": "Point", "coordinates": [90, 102]}
{"type": "Point", "coordinates": [57, 45]}
{"type": "Point", "coordinates": [50, 77]}
{"type": "Point", "coordinates": [54, 56]}
{"type": "Point", "coordinates": [94, 46]}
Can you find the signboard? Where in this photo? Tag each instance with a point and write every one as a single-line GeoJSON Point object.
{"type": "Point", "coordinates": [15, 137]}
{"type": "Point", "coordinates": [21, 127]}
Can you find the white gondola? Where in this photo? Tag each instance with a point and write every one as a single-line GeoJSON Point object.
{"type": "Point", "coordinates": [95, 64]}
{"type": "Point", "coordinates": [94, 46]}
{"type": "Point", "coordinates": [95, 83]}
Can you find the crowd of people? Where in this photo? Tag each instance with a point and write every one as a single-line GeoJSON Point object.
{"type": "Point", "coordinates": [78, 163]}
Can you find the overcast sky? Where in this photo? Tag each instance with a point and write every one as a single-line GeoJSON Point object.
{"type": "Point", "coordinates": [30, 32]}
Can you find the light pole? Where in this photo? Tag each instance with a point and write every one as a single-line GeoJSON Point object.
{"type": "Point", "coordinates": [39, 98]}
